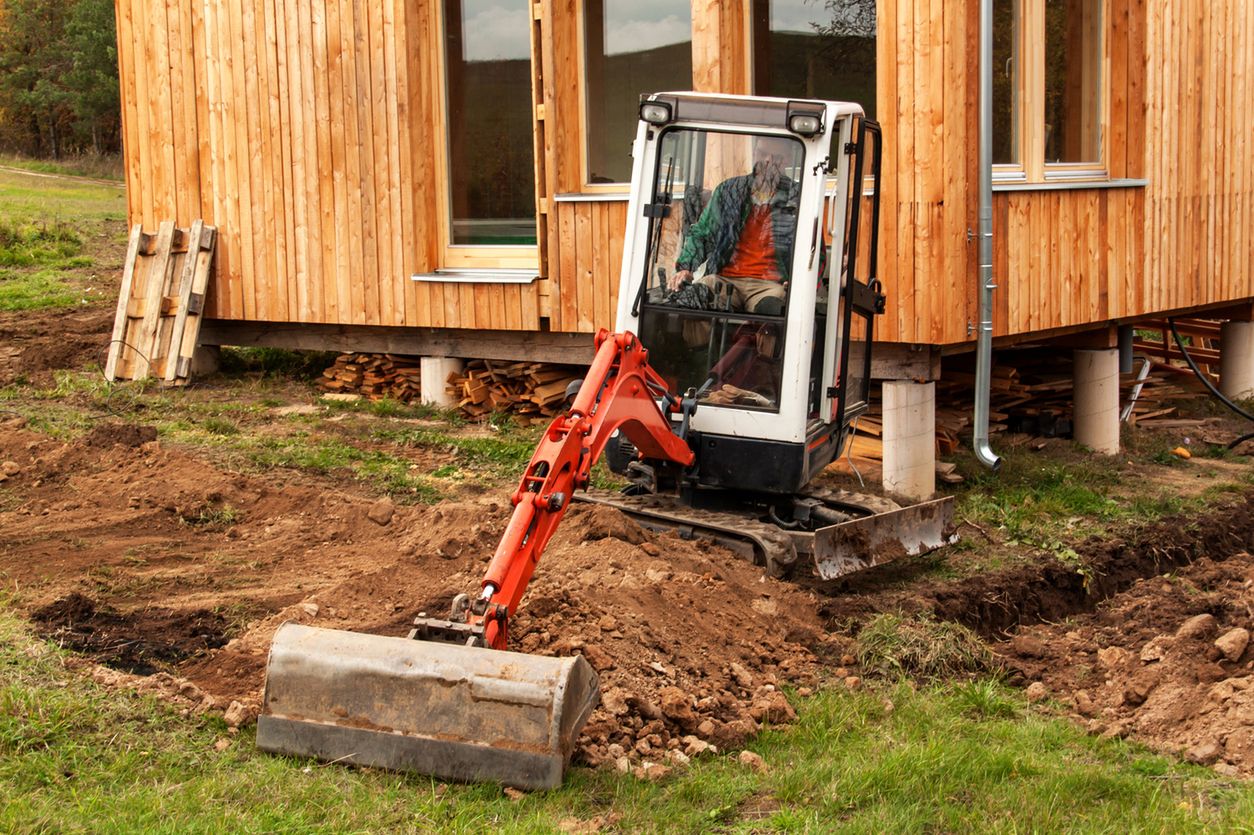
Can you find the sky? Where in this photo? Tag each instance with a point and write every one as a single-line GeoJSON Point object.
{"type": "Point", "coordinates": [798, 15]}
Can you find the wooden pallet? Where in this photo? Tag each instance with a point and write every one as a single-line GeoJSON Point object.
{"type": "Point", "coordinates": [160, 303]}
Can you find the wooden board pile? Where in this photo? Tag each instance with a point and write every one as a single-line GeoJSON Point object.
{"type": "Point", "coordinates": [374, 376]}
{"type": "Point", "coordinates": [533, 391]}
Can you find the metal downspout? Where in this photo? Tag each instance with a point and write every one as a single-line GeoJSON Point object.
{"type": "Point", "coordinates": [984, 337]}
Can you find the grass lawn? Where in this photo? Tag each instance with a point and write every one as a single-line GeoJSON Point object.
{"type": "Point", "coordinates": [59, 238]}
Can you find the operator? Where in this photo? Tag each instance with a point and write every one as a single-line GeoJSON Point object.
{"type": "Point", "coordinates": [746, 233]}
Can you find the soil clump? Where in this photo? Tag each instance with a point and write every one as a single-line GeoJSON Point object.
{"type": "Point", "coordinates": [142, 642]}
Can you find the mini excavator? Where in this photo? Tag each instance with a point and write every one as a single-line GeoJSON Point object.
{"type": "Point", "coordinates": [719, 413]}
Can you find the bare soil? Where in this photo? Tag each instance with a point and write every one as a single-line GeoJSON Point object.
{"type": "Point", "coordinates": [1165, 661]}
{"type": "Point", "coordinates": [34, 343]}
{"type": "Point", "coordinates": [148, 558]}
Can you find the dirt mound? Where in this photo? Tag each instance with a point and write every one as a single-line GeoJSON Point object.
{"type": "Point", "coordinates": [138, 642]}
{"type": "Point", "coordinates": [35, 343]}
{"type": "Point", "coordinates": [693, 645]}
{"type": "Point", "coordinates": [1167, 661]}
{"type": "Point", "coordinates": [120, 434]}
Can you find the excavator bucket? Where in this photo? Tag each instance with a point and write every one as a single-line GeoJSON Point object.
{"type": "Point", "coordinates": [455, 712]}
{"type": "Point", "coordinates": [871, 540]}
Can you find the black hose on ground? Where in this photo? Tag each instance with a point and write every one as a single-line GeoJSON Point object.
{"type": "Point", "coordinates": [1206, 382]}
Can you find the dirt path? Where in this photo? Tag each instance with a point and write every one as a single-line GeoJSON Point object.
{"type": "Point", "coordinates": [73, 178]}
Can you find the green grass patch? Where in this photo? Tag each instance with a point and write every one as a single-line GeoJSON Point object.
{"type": "Point", "coordinates": [502, 456]}
{"type": "Point", "coordinates": [76, 757]}
{"type": "Point", "coordinates": [50, 232]}
{"type": "Point", "coordinates": [325, 456]}
{"type": "Point", "coordinates": [275, 362]}
{"type": "Point", "coordinates": [1049, 505]}
{"type": "Point", "coordinates": [33, 258]}
{"type": "Point", "coordinates": [921, 647]}
{"type": "Point", "coordinates": [28, 245]}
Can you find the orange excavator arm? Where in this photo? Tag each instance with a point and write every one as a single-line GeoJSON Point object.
{"type": "Point", "coordinates": [620, 392]}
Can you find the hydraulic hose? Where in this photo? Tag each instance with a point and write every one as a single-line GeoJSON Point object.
{"type": "Point", "coordinates": [1206, 382]}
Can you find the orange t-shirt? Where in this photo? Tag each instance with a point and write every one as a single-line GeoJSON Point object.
{"type": "Point", "coordinates": [755, 251]}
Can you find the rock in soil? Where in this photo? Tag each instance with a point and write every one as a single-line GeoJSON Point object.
{"type": "Point", "coordinates": [1233, 643]}
{"type": "Point", "coordinates": [1199, 626]}
{"type": "Point", "coordinates": [753, 761]}
{"type": "Point", "coordinates": [382, 511]}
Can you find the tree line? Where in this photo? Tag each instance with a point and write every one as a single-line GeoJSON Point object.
{"type": "Point", "coordinates": [59, 78]}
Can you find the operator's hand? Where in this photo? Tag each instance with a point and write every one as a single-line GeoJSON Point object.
{"type": "Point", "coordinates": [678, 279]}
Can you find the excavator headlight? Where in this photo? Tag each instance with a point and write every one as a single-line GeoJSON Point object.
{"type": "Point", "coordinates": [655, 112]}
{"type": "Point", "coordinates": [805, 124]}
{"type": "Point", "coordinates": [805, 118]}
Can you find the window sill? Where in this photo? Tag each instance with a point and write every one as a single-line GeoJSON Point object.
{"type": "Point", "coordinates": [478, 276]}
{"type": "Point", "coordinates": [1068, 184]}
{"type": "Point", "coordinates": [593, 197]}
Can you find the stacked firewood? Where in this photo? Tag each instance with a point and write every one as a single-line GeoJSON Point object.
{"type": "Point", "coordinates": [374, 376]}
{"type": "Point", "coordinates": [530, 390]}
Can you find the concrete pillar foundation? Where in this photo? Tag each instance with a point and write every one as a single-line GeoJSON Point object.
{"type": "Point", "coordinates": [433, 373]}
{"type": "Point", "coordinates": [206, 360]}
{"type": "Point", "coordinates": [910, 439]}
{"type": "Point", "coordinates": [1096, 399]}
{"type": "Point", "coordinates": [1236, 360]}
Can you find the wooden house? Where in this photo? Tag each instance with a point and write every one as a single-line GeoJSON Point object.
{"type": "Point", "coordinates": [446, 176]}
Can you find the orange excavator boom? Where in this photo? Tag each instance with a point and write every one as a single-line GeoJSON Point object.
{"type": "Point", "coordinates": [619, 393]}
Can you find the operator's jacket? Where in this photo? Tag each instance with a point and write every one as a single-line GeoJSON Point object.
{"type": "Point", "coordinates": [712, 239]}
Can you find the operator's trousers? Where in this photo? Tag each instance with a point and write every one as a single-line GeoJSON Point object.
{"type": "Point", "coordinates": [745, 295]}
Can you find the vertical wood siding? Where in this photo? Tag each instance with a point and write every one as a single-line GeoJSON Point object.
{"type": "Point", "coordinates": [303, 129]}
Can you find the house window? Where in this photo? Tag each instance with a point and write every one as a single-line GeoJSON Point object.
{"type": "Point", "coordinates": [630, 48]}
{"type": "Point", "coordinates": [489, 171]}
{"type": "Point", "coordinates": [819, 50]}
{"type": "Point", "coordinates": [1049, 86]}
{"type": "Point", "coordinates": [1073, 81]}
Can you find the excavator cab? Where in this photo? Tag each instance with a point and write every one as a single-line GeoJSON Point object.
{"type": "Point", "coordinates": [749, 274]}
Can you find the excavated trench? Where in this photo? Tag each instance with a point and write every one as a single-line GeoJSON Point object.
{"type": "Point", "coordinates": [1001, 601]}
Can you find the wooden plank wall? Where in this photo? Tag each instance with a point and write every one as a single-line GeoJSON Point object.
{"type": "Point", "coordinates": [1180, 77]}
{"type": "Point", "coordinates": [1199, 208]}
{"type": "Point", "coordinates": [302, 129]}
{"type": "Point", "coordinates": [925, 88]}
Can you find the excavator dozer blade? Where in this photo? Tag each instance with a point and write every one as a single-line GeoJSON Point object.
{"type": "Point", "coordinates": [455, 712]}
{"type": "Point", "coordinates": [871, 540]}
